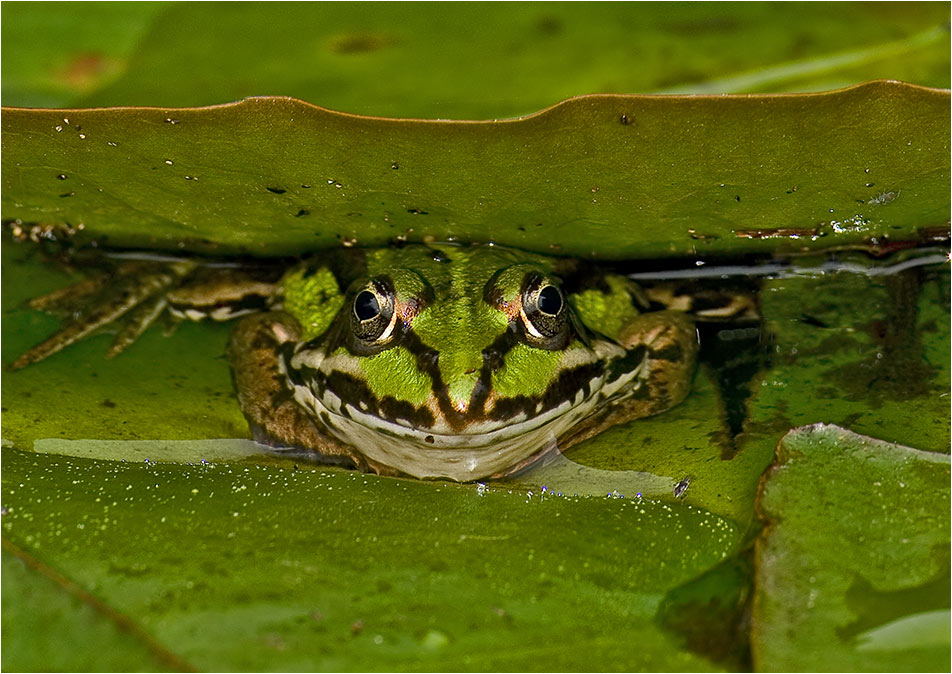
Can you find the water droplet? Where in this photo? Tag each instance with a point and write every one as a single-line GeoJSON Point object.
{"type": "Point", "coordinates": [434, 640]}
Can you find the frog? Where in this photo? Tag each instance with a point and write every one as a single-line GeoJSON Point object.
{"type": "Point", "coordinates": [433, 361]}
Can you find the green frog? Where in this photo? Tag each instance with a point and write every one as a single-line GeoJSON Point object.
{"type": "Point", "coordinates": [433, 361]}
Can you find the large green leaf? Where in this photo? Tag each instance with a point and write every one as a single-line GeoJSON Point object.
{"type": "Point", "coordinates": [456, 60]}
{"type": "Point", "coordinates": [77, 632]}
{"type": "Point", "coordinates": [609, 176]}
{"type": "Point", "coordinates": [853, 568]}
{"type": "Point", "coordinates": [232, 566]}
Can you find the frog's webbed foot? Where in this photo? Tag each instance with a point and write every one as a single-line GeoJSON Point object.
{"type": "Point", "coordinates": [274, 416]}
{"type": "Point", "coordinates": [134, 290]}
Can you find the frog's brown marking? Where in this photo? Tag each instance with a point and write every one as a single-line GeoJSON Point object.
{"type": "Point", "coordinates": [568, 385]}
{"type": "Point", "coordinates": [627, 363]}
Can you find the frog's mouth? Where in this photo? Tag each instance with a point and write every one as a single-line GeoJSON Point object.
{"type": "Point", "coordinates": [435, 442]}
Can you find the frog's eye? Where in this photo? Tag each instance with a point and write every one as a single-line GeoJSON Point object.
{"type": "Point", "coordinates": [543, 309]}
{"type": "Point", "coordinates": [372, 316]}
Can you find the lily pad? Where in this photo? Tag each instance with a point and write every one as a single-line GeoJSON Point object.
{"type": "Point", "coordinates": [868, 589]}
{"type": "Point", "coordinates": [460, 60]}
{"type": "Point", "coordinates": [88, 636]}
{"type": "Point", "coordinates": [602, 176]}
{"type": "Point", "coordinates": [231, 566]}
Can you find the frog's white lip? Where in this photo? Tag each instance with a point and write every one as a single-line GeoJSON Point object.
{"type": "Point", "coordinates": [461, 456]}
{"type": "Point", "coordinates": [482, 449]}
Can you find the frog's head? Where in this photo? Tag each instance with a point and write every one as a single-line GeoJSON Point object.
{"type": "Point", "coordinates": [461, 362]}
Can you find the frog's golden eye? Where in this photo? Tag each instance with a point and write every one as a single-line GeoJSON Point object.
{"type": "Point", "coordinates": [543, 309]}
{"type": "Point", "coordinates": [372, 315]}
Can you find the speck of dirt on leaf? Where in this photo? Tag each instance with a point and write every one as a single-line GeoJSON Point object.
{"type": "Point", "coordinates": [301, 213]}
{"type": "Point", "coordinates": [62, 176]}
{"type": "Point", "coordinates": [276, 190]}
{"type": "Point", "coordinates": [356, 43]}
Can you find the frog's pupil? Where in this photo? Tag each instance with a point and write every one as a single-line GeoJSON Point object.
{"type": "Point", "coordinates": [366, 306]}
{"type": "Point", "coordinates": [550, 300]}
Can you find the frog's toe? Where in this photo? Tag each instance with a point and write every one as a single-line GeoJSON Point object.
{"type": "Point", "coordinates": [137, 290]}
{"type": "Point", "coordinates": [136, 323]}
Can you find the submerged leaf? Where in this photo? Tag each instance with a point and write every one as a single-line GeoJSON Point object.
{"type": "Point", "coordinates": [605, 176]}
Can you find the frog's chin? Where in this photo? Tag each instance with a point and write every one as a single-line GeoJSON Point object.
{"type": "Point", "coordinates": [482, 449]}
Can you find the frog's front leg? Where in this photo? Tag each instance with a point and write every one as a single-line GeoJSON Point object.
{"type": "Point", "coordinates": [670, 343]}
{"type": "Point", "coordinates": [275, 417]}
{"type": "Point", "coordinates": [666, 345]}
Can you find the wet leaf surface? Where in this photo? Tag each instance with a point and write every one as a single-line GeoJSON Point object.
{"type": "Point", "coordinates": [605, 176]}
{"type": "Point", "coordinates": [233, 566]}
{"type": "Point", "coordinates": [869, 589]}
{"type": "Point", "coordinates": [79, 633]}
